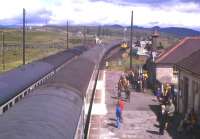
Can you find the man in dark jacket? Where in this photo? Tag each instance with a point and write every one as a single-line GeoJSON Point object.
{"type": "Point", "coordinates": [163, 119]}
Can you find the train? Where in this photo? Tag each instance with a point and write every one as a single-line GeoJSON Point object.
{"type": "Point", "coordinates": [17, 83]}
{"type": "Point", "coordinates": [124, 46]}
{"type": "Point", "coordinates": [61, 107]}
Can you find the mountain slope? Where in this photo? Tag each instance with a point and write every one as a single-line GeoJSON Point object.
{"type": "Point", "coordinates": [180, 32]}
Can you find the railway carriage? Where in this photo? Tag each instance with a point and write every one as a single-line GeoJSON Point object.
{"type": "Point", "coordinates": [17, 83]}
{"type": "Point", "coordinates": [61, 107]}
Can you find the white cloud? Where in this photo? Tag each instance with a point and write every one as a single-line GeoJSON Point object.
{"type": "Point", "coordinates": [12, 8]}
{"type": "Point", "coordinates": [85, 12]}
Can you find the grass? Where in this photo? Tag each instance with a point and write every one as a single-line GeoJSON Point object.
{"type": "Point", "coordinates": [123, 63]}
{"type": "Point", "coordinates": [44, 41]}
{"type": "Point", "coordinates": [13, 57]}
{"type": "Point", "coordinates": [40, 42]}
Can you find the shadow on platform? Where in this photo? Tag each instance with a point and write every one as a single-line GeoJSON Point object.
{"type": "Point", "coordinates": [111, 124]}
{"type": "Point", "coordinates": [172, 130]}
{"type": "Point", "coordinates": [112, 119]}
{"type": "Point", "coordinates": [153, 132]}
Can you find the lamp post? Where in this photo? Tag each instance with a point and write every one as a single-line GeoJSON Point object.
{"type": "Point", "coordinates": [84, 35]}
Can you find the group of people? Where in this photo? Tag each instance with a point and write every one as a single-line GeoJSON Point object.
{"type": "Point", "coordinates": [190, 123]}
{"type": "Point", "coordinates": [165, 95]}
{"type": "Point", "coordinates": [167, 107]}
{"type": "Point", "coordinates": [127, 79]}
{"type": "Point", "coordinates": [134, 80]}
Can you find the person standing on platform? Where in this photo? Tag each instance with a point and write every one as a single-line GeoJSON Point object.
{"type": "Point", "coordinates": [166, 94]}
{"type": "Point", "coordinates": [162, 119]}
{"type": "Point", "coordinates": [121, 105]}
{"type": "Point", "coordinates": [158, 94]}
{"type": "Point", "coordinates": [119, 87]}
{"type": "Point", "coordinates": [118, 115]}
{"type": "Point", "coordinates": [131, 79]}
{"type": "Point", "coordinates": [170, 109]}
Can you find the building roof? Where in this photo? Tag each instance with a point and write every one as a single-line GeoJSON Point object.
{"type": "Point", "coordinates": [191, 63]}
{"type": "Point", "coordinates": [183, 49]}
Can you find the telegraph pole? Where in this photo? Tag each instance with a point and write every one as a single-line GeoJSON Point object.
{"type": "Point", "coordinates": [3, 52]}
{"type": "Point", "coordinates": [84, 35]}
{"type": "Point", "coordinates": [67, 35]}
{"type": "Point", "coordinates": [131, 40]}
{"type": "Point", "coordinates": [23, 43]}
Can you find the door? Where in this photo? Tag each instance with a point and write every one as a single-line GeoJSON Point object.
{"type": "Point", "coordinates": [185, 93]}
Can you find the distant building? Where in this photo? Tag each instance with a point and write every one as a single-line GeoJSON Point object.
{"type": "Point", "coordinates": [79, 34]}
{"type": "Point", "coordinates": [139, 49]}
{"type": "Point", "coordinates": [144, 43]}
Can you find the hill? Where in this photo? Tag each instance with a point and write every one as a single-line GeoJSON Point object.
{"type": "Point", "coordinates": [180, 32]}
{"type": "Point", "coordinates": [175, 31]}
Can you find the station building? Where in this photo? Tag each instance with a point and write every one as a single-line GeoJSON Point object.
{"type": "Point", "coordinates": [172, 68]}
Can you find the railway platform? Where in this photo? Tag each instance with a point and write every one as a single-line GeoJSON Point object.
{"type": "Point", "coordinates": [139, 115]}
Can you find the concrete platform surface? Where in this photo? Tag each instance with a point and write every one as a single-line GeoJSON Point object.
{"type": "Point", "coordinates": [139, 115]}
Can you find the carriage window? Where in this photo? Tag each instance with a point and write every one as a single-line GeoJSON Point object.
{"type": "Point", "coordinates": [10, 104]}
{"type": "Point", "coordinates": [16, 100]}
{"type": "Point", "coordinates": [5, 108]}
{"type": "Point", "coordinates": [20, 96]}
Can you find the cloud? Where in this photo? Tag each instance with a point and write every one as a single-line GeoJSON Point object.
{"type": "Point", "coordinates": [40, 17]}
{"type": "Point", "coordinates": [184, 13]}
{"type": "Point", "coordinates": [126, 2]}
{"type": "Point", "coordinates": [11, 11]}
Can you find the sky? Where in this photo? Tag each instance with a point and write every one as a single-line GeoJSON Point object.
{"type": "Point", "coordinates": [147, 13]}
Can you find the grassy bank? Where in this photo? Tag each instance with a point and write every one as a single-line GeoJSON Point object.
{"type": "Point", "coordinates": [122, 62]}
{"type": "Point", "coordinates": [13, 57]}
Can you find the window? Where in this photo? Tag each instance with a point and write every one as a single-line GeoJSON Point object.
{"type": "Point", "coordinates": [5, 108]}
{"type": "Point", "coordinates": [16, 100]}
{"type": "Point", "coordinates": [10, 104]}
{"type": "Point", "coordinates": [20, 96]}
{"type": "Point", "coordinates": [180, 87]}
{"type": "Point", "coordinates": [196, 87]}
